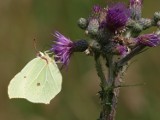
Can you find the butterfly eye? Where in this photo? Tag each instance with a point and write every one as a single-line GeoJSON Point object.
{"type": "Point", "coordinates": [39, 54]}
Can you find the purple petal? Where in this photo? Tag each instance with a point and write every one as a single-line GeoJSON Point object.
{"type": "Point", "coordinates": [62, 48]}
{"type": "Point", "coordinates": [150, 40]}
{"type": "Point", "coordinates": [117, 16]}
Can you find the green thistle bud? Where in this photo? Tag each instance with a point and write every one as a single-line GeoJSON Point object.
{"type": "Point", "coordinates": [83, 23]}
{"type": "Point", "coordinates": [156, 16]}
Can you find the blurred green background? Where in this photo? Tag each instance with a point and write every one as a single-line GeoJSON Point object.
{"type": "Point", "coordinates": [23, 20]}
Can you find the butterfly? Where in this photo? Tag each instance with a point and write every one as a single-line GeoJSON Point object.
{"type": "Point", "coordinates": [38, 82]}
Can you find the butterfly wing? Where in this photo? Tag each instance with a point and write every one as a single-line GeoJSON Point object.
{"type": "Point", "coordinates": [46, 85]}
{"type": "Point", "coordinates": [38, 82]}
{"type": "Point", "coordinates": [16, 88]}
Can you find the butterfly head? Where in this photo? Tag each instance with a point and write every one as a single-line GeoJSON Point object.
{"type": "Point", "coordinates": [40, 54]}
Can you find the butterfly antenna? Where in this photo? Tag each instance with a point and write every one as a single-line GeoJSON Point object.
{"type": "Point", "coordinates": [35, 45]}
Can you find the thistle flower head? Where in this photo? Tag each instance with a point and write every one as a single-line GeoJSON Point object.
{"type": "Point", "coordinates": [121, 50]}
{"type": "Point", "coordinates": [64, 48]}
{"type": "Point", "coordinates": [150, 40]}
{"type": "Point", "coordinates": [96, 9]}
{"type": "Point", "coordinates": [136, 2]}
{"type": "Point", "coordinates": [117, 16]}
{"type": "Point", "coordinates": [135, 7]}
{"type": "Point", "coordinates": [93, 26]}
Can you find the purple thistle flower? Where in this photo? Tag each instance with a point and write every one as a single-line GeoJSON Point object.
{"type": "Point", "coordinates": [135, 7]}
{"type": "Point", "coordinates": [136, 2]}
{"type": "Point", "coordinates": [117, 16]}
{"type": "Point", "coordinates": [64, 48]}
{"type": "Point", "coordinates": [96, 9]}
{"type": "Point", "coordinates": [150, 40]}
{"type": "Point", "coordinates": [121, 50]}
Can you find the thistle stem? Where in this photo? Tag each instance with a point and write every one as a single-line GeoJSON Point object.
{"type": "Point", "coordinates": [100, 72]}
{"type": "Point", "coordinates": [111, 70]}
{"type": "Point", "coordinates": [134, 52]}
{"type": "Point", "coordinates": [109, 93]}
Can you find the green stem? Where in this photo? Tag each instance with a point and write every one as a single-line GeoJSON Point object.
{"type": "Point", "coordinates": [100, 72]}
{"type": "Point", "coordinates": [104, 93]}
{"type": "Point", "coordinates": [108, 94]}
{"type": "Point", "coordinates": [110, 70]}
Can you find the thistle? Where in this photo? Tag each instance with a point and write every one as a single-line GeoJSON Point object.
{"type": "Point", "coordinates": [151, 40]}
{"type": "Point", "coordinates": [117, 16]}
{"type": "Point", "coordinates": [114, 31]}
{"type": "Point", "coordinates": [135, 7]}
{"type": "Point", "coordinates": [64, 48]}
